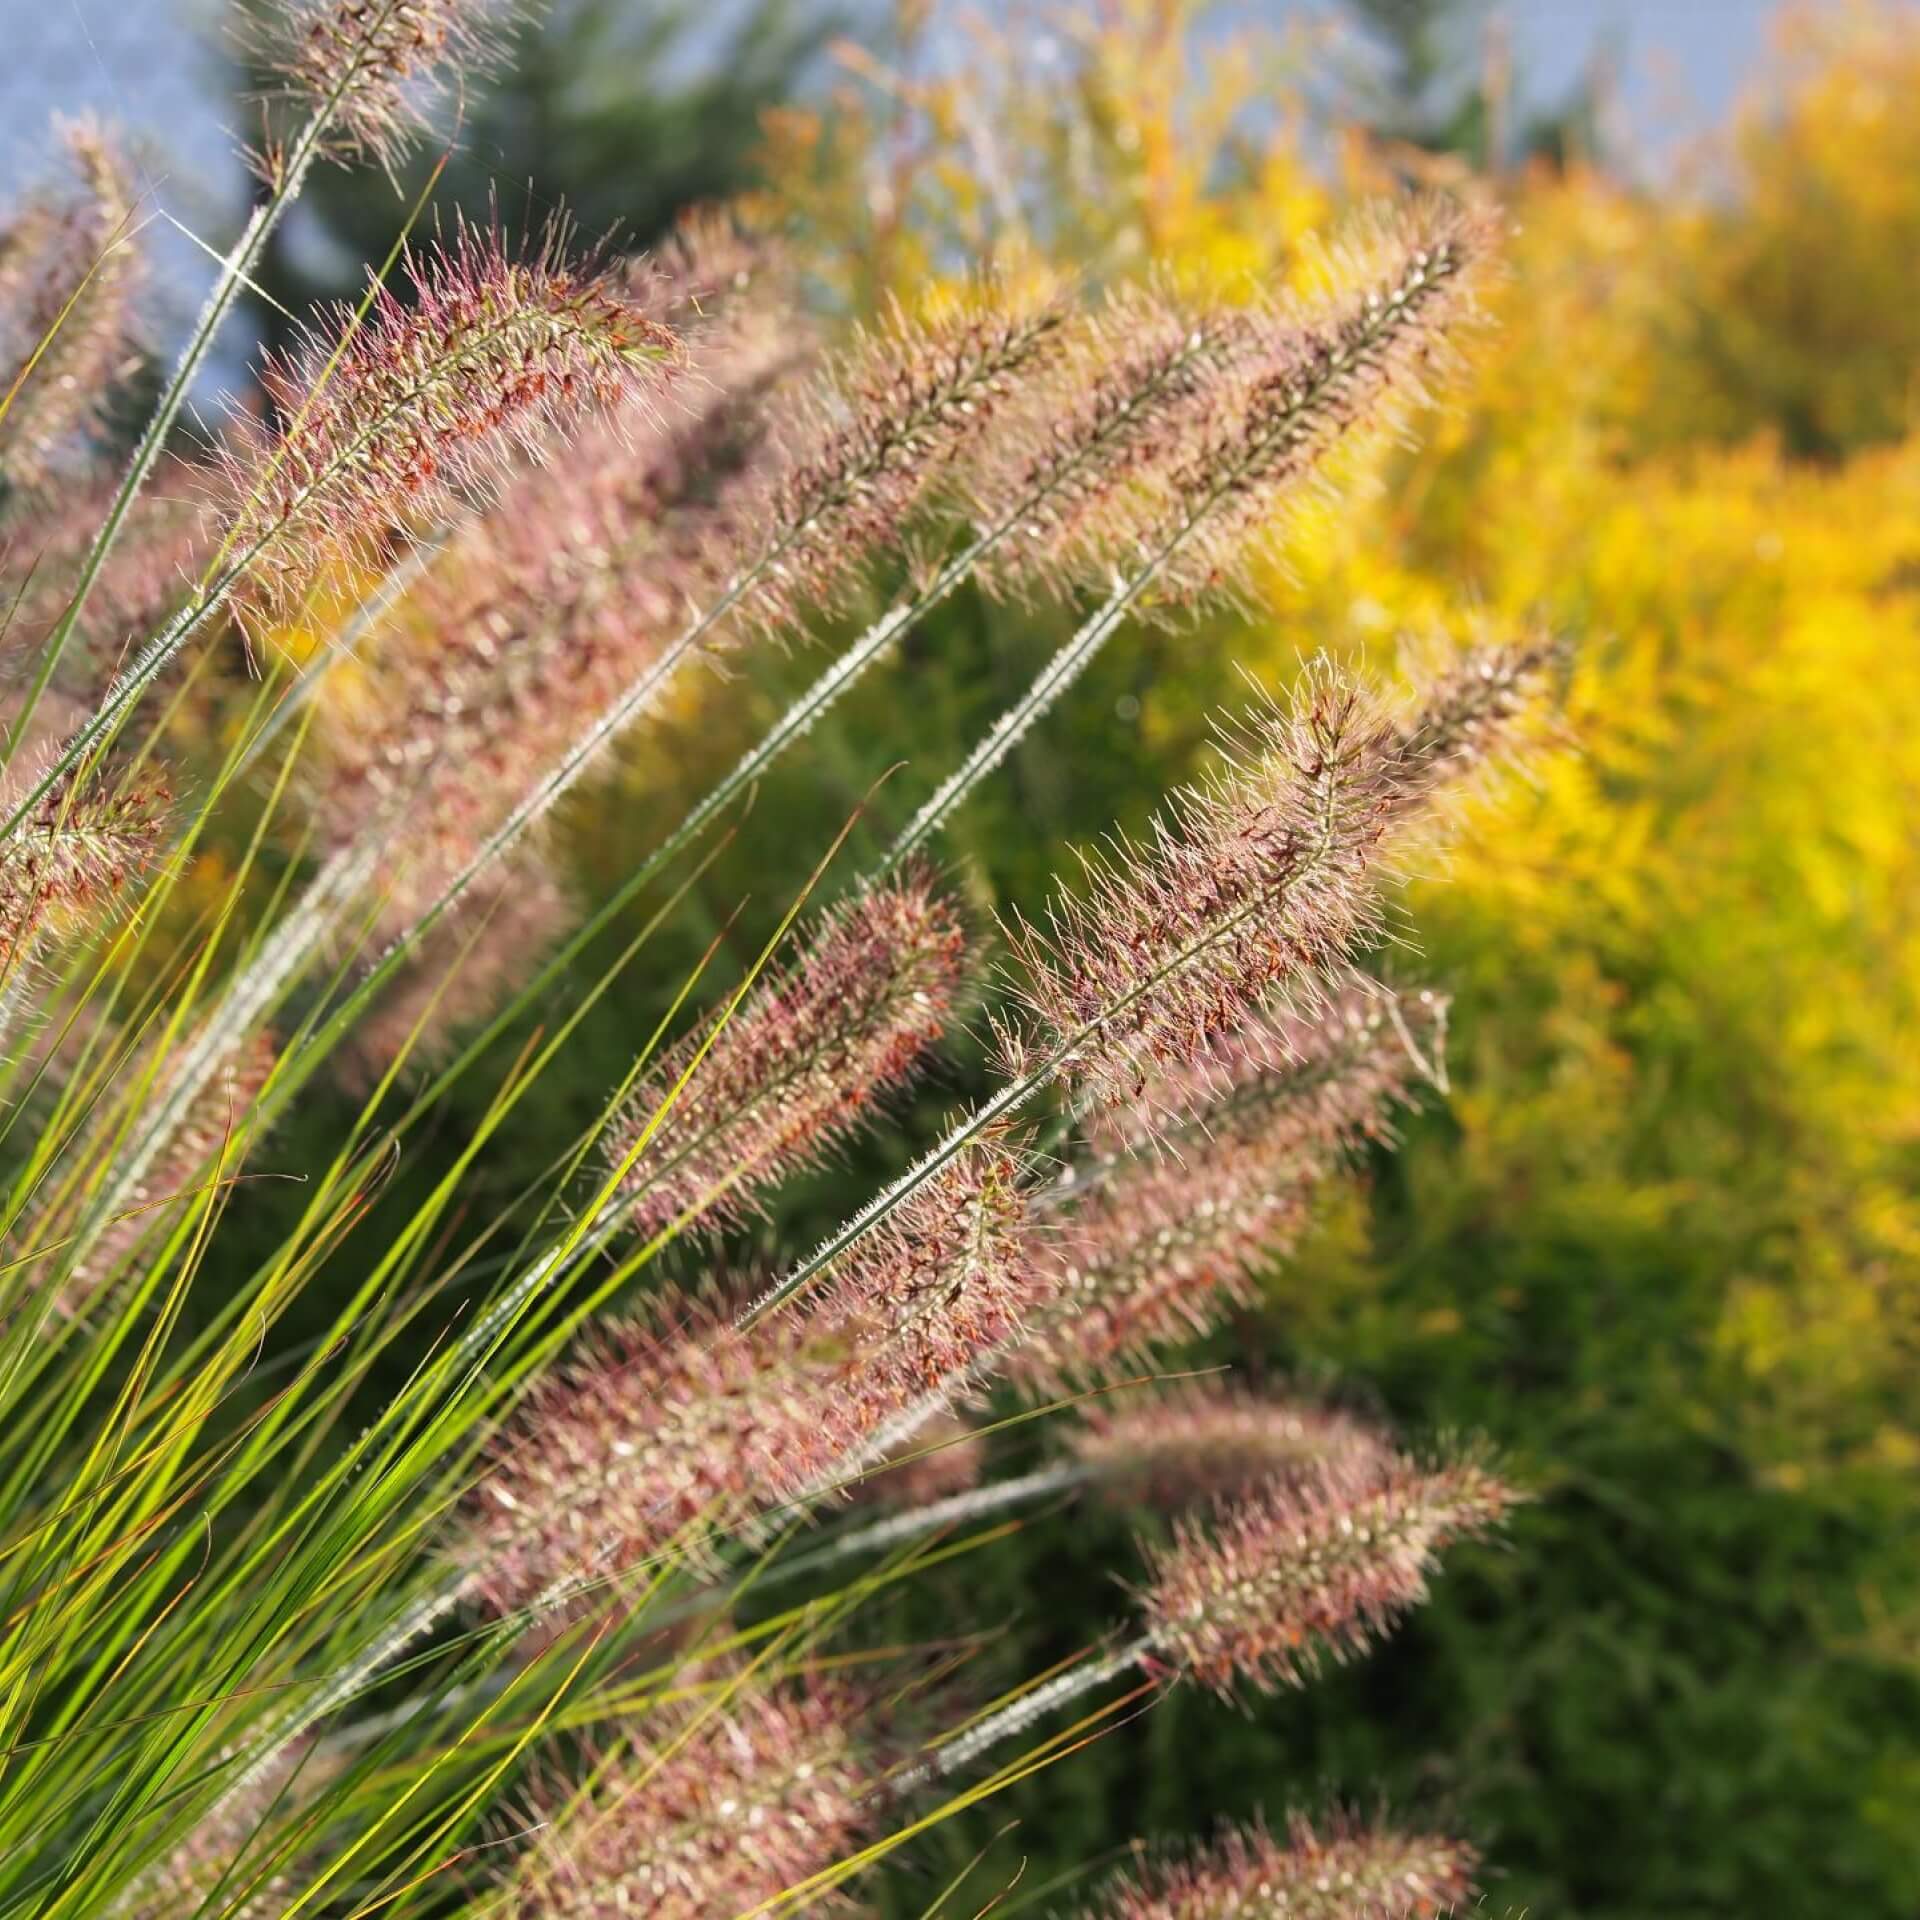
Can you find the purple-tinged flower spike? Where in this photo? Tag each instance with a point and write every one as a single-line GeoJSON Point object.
{"type": "Point", "coordinates": [1343, 1868]}
{"type": "Point", "coordinates": [803, 1063]}
{"type": "Point", "coordinates": [1338, 1055]}
{"type": "Point", "coordinates": [1315, 374]}
{"type": "Point", "coordinates": [1153, 1257]}
{"type": "Point", "coordinates": [860, 453]}
{"type": "Point", "coordinates": [68, 274]}
{"type": "Point", "coordinates": [947, 1456]}
{"type": "Point", "coordinates": [162, 543]}
{"type": "Point", "coordinates": [254, 1888]}
{"type": "Point", "coordinates": [1189, 1443]}
{"type": "Point", "coordinates": [420, 405]}
{"type": "Point", "coordinates": [1312, 1568]}
{"type": "Point", "coordinates": [1479, 707]}
{"type": "Point", "coordinates": [1259, 876]}
{"type": "Point", "coordinates": [1157, 1245]}
{"type": "Point", "coordinates": [74, 855]}
{"type": "Point", "coordinates": [192, 1153]}
{"type": "Point", "coordinates": [377, 68]}
{"type": "Point", "coordinates": [1261, 879]}
{"type": "Point", "coordinates": [752, 1796]}
{"type": "Point", "coordinates": [689, 1424]}
{"type": "Point", "coordinates": [543, 613]}
{"type": "Point", "coordinates": [1102, 412]}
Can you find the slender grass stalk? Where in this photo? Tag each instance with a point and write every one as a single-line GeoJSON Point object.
{"type": "Point", "coordinates": [1012, 727]}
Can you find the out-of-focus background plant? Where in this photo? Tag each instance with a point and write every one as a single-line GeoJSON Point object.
{"type": "Point", "coordinates": [1663, 1242]}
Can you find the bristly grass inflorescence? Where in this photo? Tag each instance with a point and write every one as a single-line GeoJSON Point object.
{"type": "Point", "coordinates": [752, 1793]}
{"type": "Point", "coordinates": [325, 1553]}
{"type": "Point", "coordinates": [1338, 1867]}
{"type": "Point", "coordinates": [683, 1425]}
{"type": "Point", "coordinates": [1311, 1569]}
{"type": "Point", "coordinates": [69, 273]}
{"type": "Point", "coordinates": [393, 418]}
{"type": "Point", "coordinates": [798, 1066]}
{"type": "Point", "coordinates": [378, 68]}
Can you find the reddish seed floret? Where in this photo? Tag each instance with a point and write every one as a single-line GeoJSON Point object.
{"type": "Point", "coordinates": [548, 608]}
{"type": "Point", "coordinates": [859, 454]}
{"type": "Point", "coordinates": [1311, 376]}
{"type": "Point", "coordinates": [1479, 707]}
{"type": "Point", "coordinates": [1258, 880]}
{"type": "Point", "coordinates": [802, 1063]}
{"type": "Point", "coordinates": [421, 404]}
{"type": "Point", "coordinates": [1342, 1868]}
{"type": "Point", "coordinates": [1066, 459]}
{"type": "Point", "coordinates": [944, 1457]}
{"type": "Point", "coordinates": [1257, 877]}
{"type": "Point", "coordinates": [1311, 1569]}
{"type": "Point", "coordinates": [1153, 1258]}
{"type": "Point", "coordinates": [749, 1797]}
{"type": "Point", "coordinates": [1187, 1443]}
{"type": "Point", "coordinates": [161, 544]}
{"type": "Point", "coordinates": [379, 67]}
{"type": "Point", "coordinates": [1162, 1243]}
{"type": "Point", "coordinates": [687, 1424]}
{"type": "Point", "coordinates": [74, 856]}
{"type": "Point", "coordinates": [1339, 1056]}
{"type": "Point", "coordinates": [68, 274]}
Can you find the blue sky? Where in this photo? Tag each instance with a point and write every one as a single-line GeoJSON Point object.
{"type": "Point", "coordinates": [1708, 46]}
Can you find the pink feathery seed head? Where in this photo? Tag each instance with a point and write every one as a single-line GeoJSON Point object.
{"type": "Point", "coordinates": [1339, 1056]}
{"type": "Point", "coordinates": [930, 1292]}
{"type": "Point", "coordinates": [1187, 1443]}
{"type": "Point", "coordinates": [801, 1064]}
{"type": "Point", "coordinates": [69, 271]}
{"type": "Point", "coordinates": [1304, 378]}
{"type": "Point", "coordinates": [1484, 704]}
{"type": "Point", "coordinates": [76, 854]}
{"type": "Point", "coordinates": [1110, 407]}
{"type": "Point", "coordinates": [708, 267]}
{"type": "Point", "coordinates": [378, 68]}
{"type": "Point", "coordinates": [658, 1434]}
{"type": "Point", "coordinates": [680, 1425]}
{"type": "Point", "coordinates": [415, 407]}
{"type": "Point", "coordinates": [543, 613]}
{"type": "Point", "coordinates": [246, 1848]}
{"type": "Point", "coordinates": [1256, 877]}
{"type": "Point", "coordinates": [866, 446]}
{"type": "Point", "coordinates": [1214, 1175]}
{"type": "Point", "coordinates": [161, 544]}
{"type": "Point", "coordinates": [1342, 1867]}
{"type": "Point", "coordinates": [1312, 1568]}
{"type": "Point", "coordinates": [1153, 1257]}
{"type": "Point", "coordinates": [747, 1797]}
